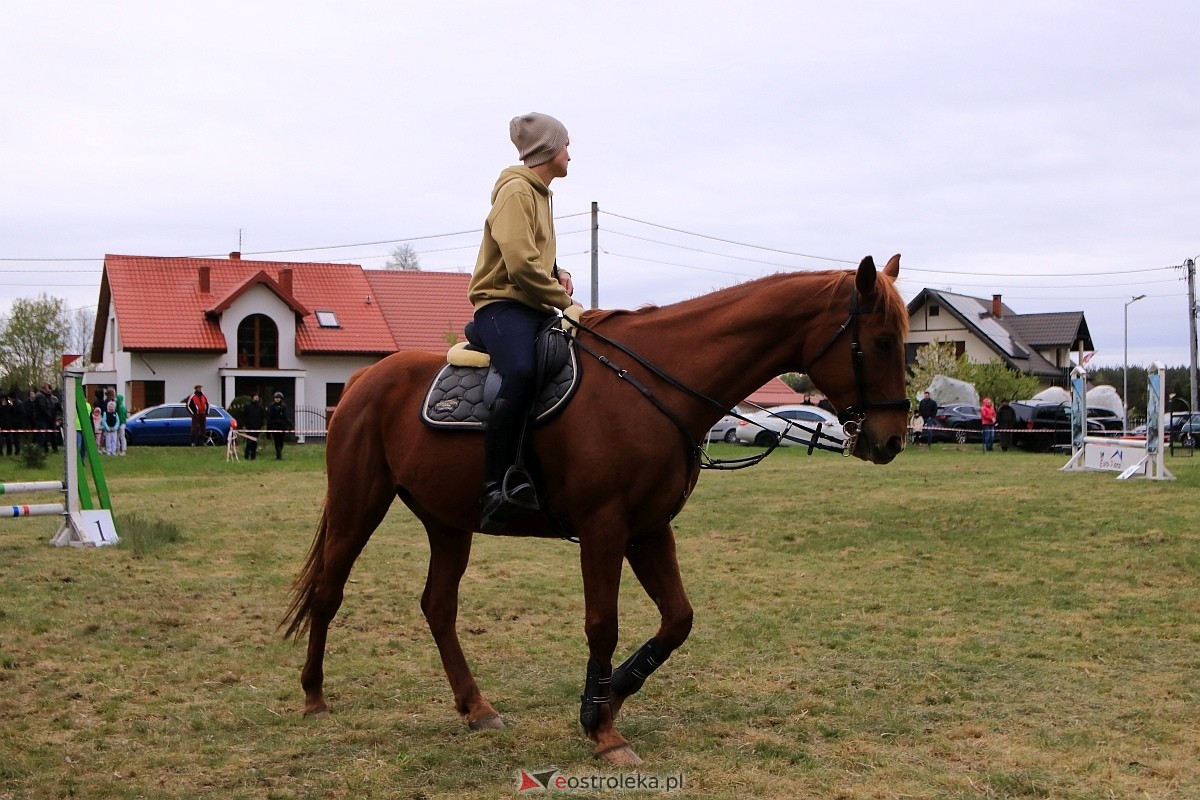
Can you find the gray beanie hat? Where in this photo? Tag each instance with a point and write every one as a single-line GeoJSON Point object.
{"type": "Point", "coordinates": [538, 137]}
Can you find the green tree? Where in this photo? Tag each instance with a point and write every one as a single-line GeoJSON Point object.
{"type": "Point", "coordinates": [935, 358]}
{"type": "Point", "coordinates": [797, 382]}
{"type": "Point", "coordinates": [997, 380]}
{"type": "Point", "coordinates": [33, 339]}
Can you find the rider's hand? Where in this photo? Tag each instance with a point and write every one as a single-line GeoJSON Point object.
{"type": "Point", "coordinates": [564, 279]}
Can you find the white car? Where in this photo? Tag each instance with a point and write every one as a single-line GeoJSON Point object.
{"type": "Point", "coordinates": [724, 431]}
{"type": "Point", "coordinates": [767, 425]}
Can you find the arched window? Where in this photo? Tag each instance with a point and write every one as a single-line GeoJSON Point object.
{"type": "Point", "coordinates": [258, 342]}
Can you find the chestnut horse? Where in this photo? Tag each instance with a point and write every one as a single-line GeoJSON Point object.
{"type": "Point", "coordinates": [616, 466]}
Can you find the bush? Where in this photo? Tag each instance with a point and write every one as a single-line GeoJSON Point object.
{"type": "Point", "coordinates": [32, 456]}
{"type": "Point", "coordinates": [146, 536]}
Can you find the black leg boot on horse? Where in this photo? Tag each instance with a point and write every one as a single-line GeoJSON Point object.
{"type": "Point", "coordinates": [507, 488]}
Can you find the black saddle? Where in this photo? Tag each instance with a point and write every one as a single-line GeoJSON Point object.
{"type": "Point", "coordinates": [459, 397]}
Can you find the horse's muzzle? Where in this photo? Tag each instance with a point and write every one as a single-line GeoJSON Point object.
{"type": "Point", "coordinates": [878, 453]}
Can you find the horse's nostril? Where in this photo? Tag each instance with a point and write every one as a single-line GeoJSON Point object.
{"type": "Point", "coordinates": [894, 445]}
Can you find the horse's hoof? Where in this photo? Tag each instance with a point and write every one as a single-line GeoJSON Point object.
{"type": "Point", "coordinates": [322, 711]}
{"type": "Point", "coordinates": [621, 755]}
{"type": "Point", "coordinates": [489, 722]}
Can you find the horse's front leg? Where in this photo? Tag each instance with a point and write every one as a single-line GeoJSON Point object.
{"type": "Point", "coordinates": [601, 563]}
{"type": "Point", "coordinates": [449, 552]}
{"type": "Point", "coordinates": [655, 564]}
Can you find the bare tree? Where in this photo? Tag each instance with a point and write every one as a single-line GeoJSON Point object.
{"type": "Point", "coordinates": [404, 258]}
{"type": "Point", "coordinates": [82, 325]}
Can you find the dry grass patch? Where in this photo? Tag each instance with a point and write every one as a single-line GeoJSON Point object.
{"type": "Point", "coordinates": [952, 625]}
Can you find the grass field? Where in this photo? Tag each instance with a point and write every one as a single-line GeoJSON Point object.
{"type": "Point", "coordinates": [954, 625]}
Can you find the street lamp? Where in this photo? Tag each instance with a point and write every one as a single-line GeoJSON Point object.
{"type": "Point", "coordinates": [1125, 370]}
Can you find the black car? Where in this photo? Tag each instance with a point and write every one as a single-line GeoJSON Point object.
{"type": "Point", "coordinates": [1043, 426]}
{"type": "Point", "coordinates": [957, 422]}
{"type": "Point", "coordinates": [1108, 420]}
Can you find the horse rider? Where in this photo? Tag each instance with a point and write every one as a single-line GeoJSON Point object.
{"type": "Point", "coordinates": [515, 287]}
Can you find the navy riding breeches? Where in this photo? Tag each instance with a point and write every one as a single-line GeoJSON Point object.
{"type": "Point", "coordinates": [509, 332]}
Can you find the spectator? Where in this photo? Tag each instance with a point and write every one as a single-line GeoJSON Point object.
{"type": "Point", "coordinates": [279, 421]}
{"type": "Point", "coordinates": [47, 417]}
{"type": "Point", "coordinates": [927, 411]}
{"type": "Point", "coordinates": [9, 424]}
{"type": "Point", "coordinates": [197, 406]}
{"type": "Point", "coordinates": [123, 416]}
{"type": "Point", "coordinates": [1006, 422]}
{"type": "Point", "coordinates": [254, 419]}
{"type": "Point", "coordinates": [97, 431]}
{"type": "Point", "coordinates": [987, 421]}
{"type": "Point", "coordinates": [110, 423]}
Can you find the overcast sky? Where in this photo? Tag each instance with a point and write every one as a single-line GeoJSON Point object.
{"type": "Point", "coordinates": [1045, 151]}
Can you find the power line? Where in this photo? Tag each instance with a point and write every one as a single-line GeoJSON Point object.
{"type": "Point", "coordinates": [477, 231]}
{"type": "Point", "coordinates": [676, 264]}
{"type": "Point", "coordinates": [698, 250]}
{"type": "Point", "coordinates": [728, 241]}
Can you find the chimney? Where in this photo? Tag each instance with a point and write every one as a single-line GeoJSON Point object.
{"type": "Point", "coordinates": [235, 256]}
{"type": "Point", "coordinates": [285, 280]}
{"type": "Point", "coordinates": [997, 307]}
{"type": "Point", "coordinates": [204, 279]}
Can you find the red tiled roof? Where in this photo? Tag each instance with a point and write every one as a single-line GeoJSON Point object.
{"type": "Point", "coordinates": [161, 307]}
{"type": "Point", "coordinates": [422, 309]}
{"type": "Point", "coordinates": [260, 278]}
{"type": "Point", "coordinates": [774, 393]}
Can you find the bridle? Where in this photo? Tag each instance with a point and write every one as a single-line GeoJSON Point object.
{"type": "Point", "coordinates": [852, 416]}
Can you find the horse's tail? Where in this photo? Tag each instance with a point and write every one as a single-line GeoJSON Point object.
{"type": "Point", "coordinates": [299, 612]}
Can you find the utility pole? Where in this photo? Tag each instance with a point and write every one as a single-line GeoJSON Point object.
{"type": "Point", "coordinates": [596, 273]}
{"type": "Point", "coordinates": [1125, 369]}
{"type": "Point", "coordinates": [1190, 266]}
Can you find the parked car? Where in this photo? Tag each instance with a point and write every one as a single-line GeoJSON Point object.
{"type": "Point", "coordinates": [1042, 426]}
{"type": "Point", "coordinates": [724, 431]}
{"type": "Point", "coordinates": [1109, 420]}
{"type": "Point", "coordinates": [766, 426]}
{"type": "Point", "coordinates": [170, 423]}
{"type": "Point", "coordinates": [964, 421]}
{"type": "Point", "coordinates": [1175, 423]}
{"type": "Point", "coordinates": [1188, 433]}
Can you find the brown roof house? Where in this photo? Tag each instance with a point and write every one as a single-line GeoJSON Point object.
{"type": "Point", "coordinates": [241, 327]}
{"type": "Point", "coordinates": [1036, 344]}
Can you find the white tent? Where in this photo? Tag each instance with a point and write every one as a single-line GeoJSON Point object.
{"type": "Point", "coordinates": [950, 390]}
{"type": "Point", "coordinates": [1106, 397]}
{"type": "Point", "coordinates": [1054, 394]}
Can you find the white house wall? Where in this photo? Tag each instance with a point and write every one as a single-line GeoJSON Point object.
{"type": "Point", "coordinates": [261, 300]}
{"type": "Point", "coordinates": [945, 327]}
{"type": "Point", "coordinates": [323, 370]}
{"type": "Point", "coordinates": [180, 372]}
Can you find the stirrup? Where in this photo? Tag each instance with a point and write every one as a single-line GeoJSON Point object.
{"type": "Point", "coordinates": [515, 493]}
{"type": "Point", "coordinates": [517, 489]}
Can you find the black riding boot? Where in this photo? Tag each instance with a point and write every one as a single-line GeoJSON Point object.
{"type": "Point", "coordinates": [506, 489]}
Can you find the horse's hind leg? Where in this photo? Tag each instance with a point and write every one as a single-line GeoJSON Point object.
{"type": "Point", "coordinates": [353, 510]}
{"type": "Point", "coordinates": [655, 564]}
{"type": "Point", "coordinates": [449, 552]}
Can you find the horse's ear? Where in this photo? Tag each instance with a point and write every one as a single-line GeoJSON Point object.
{"type": "Point", "coordinates": [865, 280]}
{"type": "Point", "coordinates": [892, 270]}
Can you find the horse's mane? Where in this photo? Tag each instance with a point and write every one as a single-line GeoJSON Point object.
{"type": "Point", "coordinates": [827, 283]}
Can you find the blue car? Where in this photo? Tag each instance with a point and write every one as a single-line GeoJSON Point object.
{"type": "Point", "coordinates": [171, 424]}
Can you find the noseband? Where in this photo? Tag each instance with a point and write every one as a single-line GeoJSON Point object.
{"type": "Point", "coordinates": [852, 416]}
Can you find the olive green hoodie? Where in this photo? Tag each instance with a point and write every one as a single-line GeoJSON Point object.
{"type": "Point", "coordinates": [516, 257]}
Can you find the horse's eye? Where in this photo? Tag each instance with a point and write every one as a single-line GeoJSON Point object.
{"type": "Point", "coordinates": [885, 344]}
